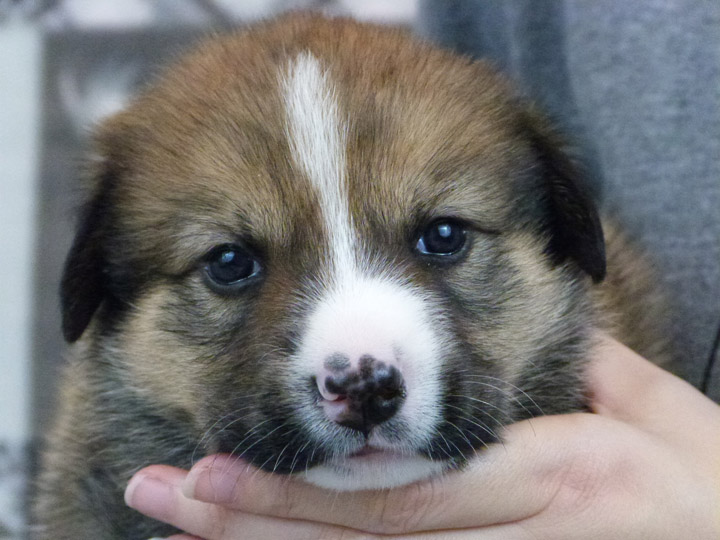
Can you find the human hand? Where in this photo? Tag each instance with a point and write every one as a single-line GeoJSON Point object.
{"type": "Point", "coordinates": [646, 465]}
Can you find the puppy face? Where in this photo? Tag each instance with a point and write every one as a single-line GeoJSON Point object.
{"type": "Point", "coordinates": [334, 251]}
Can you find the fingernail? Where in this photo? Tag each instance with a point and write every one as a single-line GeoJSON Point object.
{"type": "Point", "coordinates": [214, 483]}
{"type": "Point", "coordinates": [150, 496]}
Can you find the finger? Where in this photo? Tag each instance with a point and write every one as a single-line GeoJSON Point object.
{"type": "Point", "coordinates": [625, 386]}
{"type": "Point", "coordinates": [525, 470]}
{"type": "Point", "coordinates": [514, 531]}
{"type": "Point", "coordinates": [156, 492]}
{"type": "Point", "coordinates": [160, 481]}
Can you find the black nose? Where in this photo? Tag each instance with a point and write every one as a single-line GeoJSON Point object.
{"type": "Point", "coordinates": [373, 393]}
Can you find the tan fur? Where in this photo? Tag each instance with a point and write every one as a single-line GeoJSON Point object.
{"type": "Point", "coordinates": [153, 359]}
{"type": "Point", "coordinates": [630, 301]}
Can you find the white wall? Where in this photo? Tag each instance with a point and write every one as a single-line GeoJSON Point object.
{"type": "Point", "coordinates": [20, 57]}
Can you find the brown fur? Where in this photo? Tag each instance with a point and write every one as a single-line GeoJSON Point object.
{"type": "Point", "coordinates": [200, 160]}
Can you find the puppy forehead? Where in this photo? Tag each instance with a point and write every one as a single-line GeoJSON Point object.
{"type": "Point", "coordinates": [393, 147]}
{"type": "Point", "coordinates": [255, 132]}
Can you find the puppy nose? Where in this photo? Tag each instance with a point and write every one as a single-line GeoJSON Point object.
{"type": "Point", "coordinates": [360, 395]}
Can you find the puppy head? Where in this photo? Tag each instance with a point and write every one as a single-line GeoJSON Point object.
{"type": "Point", "coordinates": [337, 251]}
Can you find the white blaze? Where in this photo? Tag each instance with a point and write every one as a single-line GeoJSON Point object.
{"type": "Point", "coordinates": [357, 314]}
{"type": "Point", "coordinates": [318, 138]}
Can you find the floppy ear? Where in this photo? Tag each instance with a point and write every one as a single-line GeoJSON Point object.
{"type": "Point", "coordinates": [83, 287]}
{"type": "Point", "coordinates": [570, 217]}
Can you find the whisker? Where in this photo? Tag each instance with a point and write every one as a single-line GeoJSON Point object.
{"type": "Point", "coordinates": [262, 465]}
{"type": "Point", "coordinates": [470, 398]}
{"type": "Point", "coordinates": [259, 469]}
{"type": "Point", "coordinates": [277, 461]}
{"type": "Point", "coordinates": [240, 455]}
{"type": "Point", "coordinates": [312, 456]}
{"type": "Point", "coordinates": [500, 424]}
{"type": "Point", "coordinates": [515, 398]}
{"type": "Point", "coordinates": [206, 435]}
{"type": "Point", "coordinates": [462, 434]}
{"type": "Point", "coordinates": [297, 453]}
{"type": "Point", "coordinates": [247, 436]}
{"type": "Point", "coordinates": [462, 454]}
{"type": "Point", "coordinates": [508, 383]}
{"type": "Point", "coordinates": [481, 425]}
{"type": "Point", "coordinates": [448, 454]}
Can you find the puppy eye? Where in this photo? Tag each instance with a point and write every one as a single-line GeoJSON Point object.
{"type": "Point", "coordinates": [229, 265]}
{"type": "Point", "coordinates": [442, 237]}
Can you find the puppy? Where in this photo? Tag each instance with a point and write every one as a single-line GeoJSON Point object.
{"type": "Point", "coordinates": [332, 251]}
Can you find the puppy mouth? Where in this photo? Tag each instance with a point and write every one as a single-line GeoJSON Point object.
{"type": "Point", "coordinates": [367, 450]}
{"type": "Point", "coordinates": [369, 454]}
{"type": "Point", "coordinates": [372, 458]}
{"type": "Point", "coordinates": [373, 467]}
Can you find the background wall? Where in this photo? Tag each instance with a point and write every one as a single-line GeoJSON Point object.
{"type": "Point", "coordinates": [20, 61]}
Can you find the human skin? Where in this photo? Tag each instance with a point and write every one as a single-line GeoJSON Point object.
{"type": "Point", "coordinates": [644, 465]}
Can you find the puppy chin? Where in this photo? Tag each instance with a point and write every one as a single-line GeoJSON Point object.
{"type": "Point", "coordinates": [381, 470]}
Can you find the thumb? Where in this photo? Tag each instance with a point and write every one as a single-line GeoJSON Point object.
{"type": "Point", "coordinates": [625, 386]}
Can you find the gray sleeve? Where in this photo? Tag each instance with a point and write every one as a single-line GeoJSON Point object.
{"type": "Point", "coordinates": [637, 86]}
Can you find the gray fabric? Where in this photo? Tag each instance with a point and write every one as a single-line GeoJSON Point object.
{"type": "Point", "coordinates": [637, 86]}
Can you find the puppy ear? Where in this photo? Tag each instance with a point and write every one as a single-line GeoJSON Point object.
{"type": "Point", "coordinates": [83, 287]}
{"type": "Point", "coordinates": [570, 216]}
